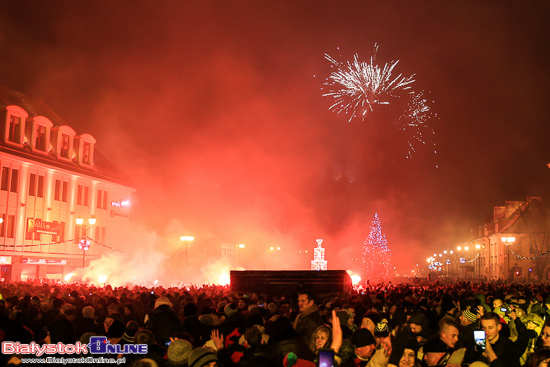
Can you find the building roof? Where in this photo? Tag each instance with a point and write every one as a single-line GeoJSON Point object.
{"type": "Point", "coordinates": [102, 168]}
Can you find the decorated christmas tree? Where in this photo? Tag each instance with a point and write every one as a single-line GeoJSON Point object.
{"type": "Point", "coordinates": [376, 254]}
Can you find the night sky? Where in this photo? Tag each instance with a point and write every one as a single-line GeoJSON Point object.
{"type": "Point", "coordinates": [214, 109]}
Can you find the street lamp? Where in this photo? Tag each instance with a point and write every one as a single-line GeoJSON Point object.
{"type": "Point", "coordinates": [508, 241]}
{"type": "Point", "coordinates": [186, 240]}
{"type": "Point", "coordinates": [84, 243]}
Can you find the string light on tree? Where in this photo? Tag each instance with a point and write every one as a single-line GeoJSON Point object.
{"type": "Point", "coordinates": [319, 262]}
{"type": "Point", "coordinates": [376, 253]}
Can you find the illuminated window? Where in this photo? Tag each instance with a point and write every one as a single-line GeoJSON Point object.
{"type": "Point", "coordinates": [86, 147]}
{"type": "Point", "coordinates": [14, 125]}
{"type": "Point", "coordinates": [65, 146]}
{"type": "Point", "coordinates": [65, 191]}
{"type": "Point", "coordinates": [5, 178]}
{"type": "Point", "coordinates": [57, 190]}
{"type": "Point", "coordinates": [40, 187]}
{"type": "Point", "coordinates": [99, 199]}
{"type": "Point", "coordinates": [86, 195]}
{"type": "Point", "coordinates": [79, 195]}
{"type": "Point", "coordinates": [32, 185]}
{"type": "Point", "coordinates": [10, 233]}
{"type": "Point", "coordinates": [14, 132]}
{"type": "Point", "coordinates": [40, 142]}
{"type": "Point", "coordinates": [14, 180]}
{"type": "Point", "coordinates": [2, 226]}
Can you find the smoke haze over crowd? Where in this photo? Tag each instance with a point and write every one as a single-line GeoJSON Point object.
{"type": "Point", "coordinates": [215, 111]}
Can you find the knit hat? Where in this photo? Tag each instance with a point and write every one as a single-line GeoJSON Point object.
{"type": "Point", "coordinates": [178, 352]}
{"type": "Point", "coordinates": [163, 301]}
{"type": "Point", "coordinates": [201, 356]}
{"type": "Point", "coordinates": [382, 330]}
{"type": "Point", "coordinates": [469, 315]}
{"type": "Point", "coordinates": [116, 330]}
{"type": "Point", "coordinates": [292, 360]}
{"type": "Point", "coordinates": [230, 309]}
{"type": "Point", "coordinates": [435, 346]}
{"type": "Point", "coordinates": [412, 344]}
{"type": "Point", "coordinates": [362, 337]}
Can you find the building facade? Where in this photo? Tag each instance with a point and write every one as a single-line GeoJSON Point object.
{"type": "Point", "coordinates": [513, 246]}
{"type": "Point", "coordinates": [49, 177]}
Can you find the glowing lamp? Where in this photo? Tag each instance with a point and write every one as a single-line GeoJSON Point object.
{"type": "Point", "coordinates": [459, 248]}
{"type": "Point", "coordinates": [79, 221]}
{"type": "Point", "coordinates": [91, 220]}
{"type": "Point", "coordinates": [242, 245]}
{"type": "Point", "coordinates": [478, 246]}
{"type": "Point", "coordinates": [187, 238]}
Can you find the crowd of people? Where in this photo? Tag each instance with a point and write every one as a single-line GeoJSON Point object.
{"type": "Point", "coordinates": [401, 325]}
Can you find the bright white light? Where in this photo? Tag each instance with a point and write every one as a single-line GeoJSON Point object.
{"type": "Point", "coordinates": [187, 238]}
{"type": "Point", "coordinates": [102, 278]}
{"type": "Point", "coordinates": [242, 245]}
{"type": "Point", "coordinates": [156, 281]}
{"type": "Point", "coordinates": [224, 279]}
{"type": "Point", "coordinates": [355, 279]}
{"type": "Point", "coordinates": [466, 248]}
{"type": "Point", "coordinates": [68, 277]}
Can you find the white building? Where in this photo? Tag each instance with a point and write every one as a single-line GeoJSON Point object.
{"type": "Point", "coordinates": [50, 176]}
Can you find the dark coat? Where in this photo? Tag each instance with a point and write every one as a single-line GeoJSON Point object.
{"type": "Point", "coordinates": [163, 323]}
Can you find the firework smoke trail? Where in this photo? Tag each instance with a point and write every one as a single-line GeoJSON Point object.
{"type": "Point", "coordinates": [357, 86]}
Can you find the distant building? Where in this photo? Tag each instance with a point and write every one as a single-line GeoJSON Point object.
{"type": "Point", "coordinates": [49, 177]}
{"type": "Point", "coordinates": [513, 246]}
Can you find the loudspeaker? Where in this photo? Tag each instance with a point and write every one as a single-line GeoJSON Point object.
{"type": "Point", "coordinates": [284, 282]}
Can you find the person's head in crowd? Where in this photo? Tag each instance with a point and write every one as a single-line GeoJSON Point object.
{"type": "Point", "coordinates": [61, 331]}
{"type": "Point", "coordinates": [545, 335]}
{"type": "Point", "coordinates": [128, 309]}
{"type": "Point", "coordinates": [144, 336]}
{"type": "Point", "coordinates": [88, 312]}
{"type": "Point", "coordinates": [467, 317]}
{"type": "Point", "coordinates": [70, 314]}
{"type": "Point", "coordinates": [364, 343]}
{"type": "Point", "coordinates": [145, 362]}
{"type": "Point", "coordinates": [433, 351]}
{"type": "Point", "coordinates": [129, 335]}
{"type": "Point", "coordinates": [409, 354]}
{"type": "Point", "coordinates": [370, 320]}
{"type": "Point", "coordinates": [178, 353]}
{"type": "Point", "coordinates": [230, 309]}
{"type": "Point", "coordinates": [418, 322]}
{"type": "Point", "coordinates": [242, 305]}
{"type": "Point", "coordinates": [490, 323]}
{"type": "Point", "coordinates": [382, 334]}
{"type": "Point", "coordinates": [541, 358]}
{"type": "Point", "coordinates": [109, 321]}
{"type": "Point", "coordinates": [163, 301]}
{"type": "Point", "coordinates": [448, 332]}
{"type": "Point", "coordinates": [202, 357]}
{"type": "Point", "coordinates": [115, 332]}
{"type": "Point", "coordinates": [321, 338]}
{"type": "Point", "coordinates": [253, 337]}
{"type": "Point", "coordinates": [305, 301]}
{"type": "Point", "coordinates": [190, 309]}
{"type": "Point", "coordinates": [497, 304]}
{"type": "Point", "coordinates": [272, 307]}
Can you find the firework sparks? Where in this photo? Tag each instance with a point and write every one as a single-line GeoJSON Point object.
{"type": "Point", "coordinates": [358, 87]}
{"type": "Point", "coordinates": [415, 121]}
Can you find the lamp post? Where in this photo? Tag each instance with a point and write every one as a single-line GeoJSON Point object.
{"type": "Point", "coordinates": [508, 241]}
{"type": "Point", "coordinates": [84, 243]}
{"type": "Point", "coordinates": [186, 240]}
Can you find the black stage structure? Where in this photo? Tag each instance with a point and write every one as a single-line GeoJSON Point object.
{"type": "Point", "coordinates": [284, 282]}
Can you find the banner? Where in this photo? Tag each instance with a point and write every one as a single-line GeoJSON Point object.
{"type": "Point", "coordinates": [39, 226]}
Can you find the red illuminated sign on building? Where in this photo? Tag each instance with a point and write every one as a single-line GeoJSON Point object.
{"type": "Point", "coordinates": [40, 226]}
